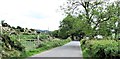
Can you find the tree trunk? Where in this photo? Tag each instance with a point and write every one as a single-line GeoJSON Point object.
{"type": "Point", "coordinates": [72, 37]}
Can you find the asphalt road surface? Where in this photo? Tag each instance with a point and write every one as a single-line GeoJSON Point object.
{"type": "Point", "coordinates": [71, 49]}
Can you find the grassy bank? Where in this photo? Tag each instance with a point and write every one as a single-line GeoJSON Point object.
{"type": "Point", "coordinates": [100, 48]}
{"type": "Point", "coordinates": [26, 37]}
{"type": "Point", "coordinates": [43, 46]}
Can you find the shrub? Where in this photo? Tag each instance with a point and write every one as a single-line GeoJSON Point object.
{"type": "Point", "coordinates": [11, 48]}
{"type": "Point", "coordinates": [42, 44]}
{"type": "Point", "coordinates": [25, 33]}
{"type": "Point", "coordinates": [43, 36]}
{"type": "Point", "coordinates": [12, 43]}
{"type": "Point", "coordinates": [100, 48]}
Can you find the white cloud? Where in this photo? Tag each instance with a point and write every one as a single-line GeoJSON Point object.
{"type": "Point", "coordinates": [38, 14]}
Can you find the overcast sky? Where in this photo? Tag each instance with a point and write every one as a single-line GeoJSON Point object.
{"type": "Point", "coordinates": [37, 14]}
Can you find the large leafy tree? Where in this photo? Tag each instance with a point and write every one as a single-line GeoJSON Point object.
{"type": "Point", "coordinates": [66, 26]}
{"type": "Point", "coordinates": [70, 27]}
{"type": "Point", "coordinates": [99, 17]}
{"type": "Point", "coordinates": [112, 23]}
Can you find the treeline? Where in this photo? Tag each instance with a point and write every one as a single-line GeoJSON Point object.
{"type": "Point", "coordinates": [90, 19]}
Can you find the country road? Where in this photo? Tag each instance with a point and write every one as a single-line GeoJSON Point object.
{"type": "Point", "coordinates": [71, 49]}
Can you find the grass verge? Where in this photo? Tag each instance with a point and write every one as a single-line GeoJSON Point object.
{"type": "Point", "coordinates": [45, 46]}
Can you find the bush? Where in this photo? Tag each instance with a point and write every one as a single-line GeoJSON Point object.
{"type": "Point", "coordinates": [42, 44]}
{"type": "Point", "coordinates": [25, 33]}
{"type": "Point", "coordinates": [12, 43]}
{"type": "Point", "coordinates": [43, 36]}
{"type": "Point", "coordinates": [100, 48]}
{"type": "Point", "coordinates": [10, 48]}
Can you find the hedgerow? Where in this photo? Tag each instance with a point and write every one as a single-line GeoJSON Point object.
{"type": "Point", "coordinates": [100, 48]}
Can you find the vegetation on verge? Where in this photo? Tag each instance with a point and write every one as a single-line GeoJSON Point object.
{"type": "Point", "coordinates": [46, 46]}
{"type": "Point", "coordinates": [10, 48]}
{"type": "Point", "coordinates": [100, 48]}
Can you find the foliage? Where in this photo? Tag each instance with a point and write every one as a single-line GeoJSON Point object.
{"type": "Point", "coordinates": [11, 48]}
{"type": "Point", "coordinates": [70, 26]}
{"type": "Point", "coordinates": [43, 36]}
{"type": "Point", "coordinates": [93, 20]}
{"type": "Point", "coordinates": [100, 48]}
{"type": "Point", "coordinates": [55, 33]}
{"type": "Point", "coordinates": [66, 26]}
{"type": "Point", "coordinates": [12, 44]}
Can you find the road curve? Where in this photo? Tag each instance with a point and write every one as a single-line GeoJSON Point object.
{"type": "Point", "coordinates": [71, 49]}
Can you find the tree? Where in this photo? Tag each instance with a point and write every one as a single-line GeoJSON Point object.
{"type": "Point", "coordinates": [55, 33]}
{"type": "Point", "coordinates": [71, 27]}
{"type": "Point", "coordinates": [66, 27]}
{"type": "Point", "coordinates": [87, 13]}
{"type": "Point", "coordinates": [94, 14]}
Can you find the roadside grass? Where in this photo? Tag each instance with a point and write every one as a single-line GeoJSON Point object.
{"type": "Point", "coordinates": [100, 48]}
{"type": "Point", "coordinates": [45, 46]}
{"type": "Point", "coordinates": [28, 45]}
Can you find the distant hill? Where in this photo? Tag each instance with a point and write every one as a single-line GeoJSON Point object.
{"type": "Point", "coordinates": [43, 31]}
